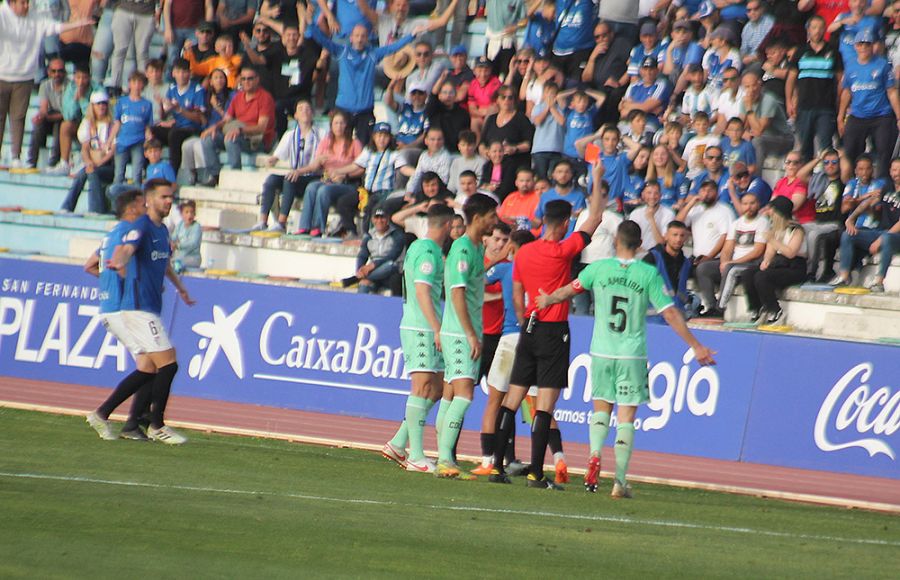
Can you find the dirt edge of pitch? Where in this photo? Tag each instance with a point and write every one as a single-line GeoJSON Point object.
{"type": "Point", "coordinates": [347, 444]}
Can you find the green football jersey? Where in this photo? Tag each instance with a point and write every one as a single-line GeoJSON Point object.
{"type": "Point", "coordinates": [464, 268]}
{"type": "Point", "coordinates": [622, 292]}
{"type": "Point", "coordinates": [424, 264]}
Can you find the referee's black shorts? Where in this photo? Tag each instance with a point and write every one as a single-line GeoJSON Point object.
{"type": "Point", "coordinates": [542, 357]}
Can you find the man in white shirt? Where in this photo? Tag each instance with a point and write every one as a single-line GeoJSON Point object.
{"type": "Point", "coordinates": [602, 246]}
{"type": "Point", "coordinates": [652, 217]}
{"type": "Point", "coordinates": [709, 220]}
{"type": "Point", "coordinates": [744, 247]}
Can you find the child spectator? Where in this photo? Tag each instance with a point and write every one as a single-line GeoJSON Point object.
{"type": "Point", "coordinates": [133, 119]}
{"type": "Point", "coordinates": [579, 112]}
{"type": "Point", "coordinates": [187, 238]}
{"type": "Point", "coordinates": [224, 59]}
{"type": "Point", "coordinates": [480, 97]}
{"type": "Point", "coordinates": [615, 163]}
{"type": "Point", "coordinates": [696, 146]}
{"type": "Point", "coordinates": [497, 176]}
{"type": "Point", "coordinates": [696, 98]}
{"type": "Point", "coordinates": [637, 176]}
{"type": "Point", "coordinates": [549, 131]}
{"type": "Point", "coordinates": [468, 186]}
{"type": "Point", "coordinates": [410, 119]}
{"type": "Point", "coordinates": [185, 107]}
{"type": "Point", "coordinates": [736, 149]}
{"type": "Point", "coordinates": [156, 88]}
{"type": "Point", "coordinates": [157, 166]}
{"type": "Point", "coordinates": [635, 130]}
{"type": "Point", "coordinates": [539, 73]}
{"type": "Point", "coordinates": [672, 182]}
{"type": "Point", "coordinates": [468, 159]}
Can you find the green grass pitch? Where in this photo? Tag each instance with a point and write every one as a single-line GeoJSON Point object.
{"type": "Point", "coordinates": [73, 506]}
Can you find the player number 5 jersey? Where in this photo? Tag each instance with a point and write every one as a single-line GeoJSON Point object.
{"type": "Point", "coordinates": [622, 292]}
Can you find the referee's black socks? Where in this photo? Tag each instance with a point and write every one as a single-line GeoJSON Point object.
{"type": "Point", "coordinates": [126, 388]}
{"type": "Point", "coordinates": [506, 419]}
{"type": "Point", "coordinates": [540, 434]}
{"type": "Point", "coordinates": [160, 396]}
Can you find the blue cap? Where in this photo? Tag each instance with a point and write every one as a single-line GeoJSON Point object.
{"type": "Point", "coordinates": [382, 128]}
{"type": "Point", "coordinates": [864, 35]}
{"type": "Point", "coordinates": [458, 49]}
{"type": "Point", "coordinates": [705, 9]}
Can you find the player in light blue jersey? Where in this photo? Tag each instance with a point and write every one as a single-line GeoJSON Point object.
{"type": "Point", "coordinates": [145, 253]}
{"type": "Point", "coordinates": [130, 206]}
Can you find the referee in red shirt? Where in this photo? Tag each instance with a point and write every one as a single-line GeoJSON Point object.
{"type": "Point", "coordinates": [542, 355]}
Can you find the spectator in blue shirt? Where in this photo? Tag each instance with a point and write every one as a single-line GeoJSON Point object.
{"type": "Point", "coordinates": [133, 119]}
{"type": "Point", "coordinates": [648, 46]}
{"type": "Point", "coordinates": [539, 32]}
{"type": "Point", "coordinates": [574, 40]}
{"type": "Point", "coordinates": [564, 189]}
{"type": "Point", "coordinates": [736, 149]}
{"type": "Point", "coordinates": [714, 170]}
{"type": "Point", "coordinates": [549, 131]}
{"type": "Point", "coordinates": [847, 25]}
{"type": "Point", "coordinates": [869, 105]}
{"type": "Point", "coordinates": [650, 94]}
{"type": "Point", "coordinates": [410, 119]}
{"type": "Point", "coordinates": [579, 115]}
{"type": "Point", "coordinates": [185, 105]}
{"type": "Point", "coordinates": [356, 77]}
{"type": "Point", "coordinates": [740, 181]}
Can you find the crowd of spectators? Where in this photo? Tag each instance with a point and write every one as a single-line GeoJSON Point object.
{"type": "Point", "coordinates": [758, 133]}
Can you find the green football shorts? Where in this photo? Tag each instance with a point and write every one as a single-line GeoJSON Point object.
{"type": "Point", "coordinates": [622, 381]}
{"type": "Point", "coordinates": [420, 354]}
{"type": "Point", "coordinates": [457, 362]}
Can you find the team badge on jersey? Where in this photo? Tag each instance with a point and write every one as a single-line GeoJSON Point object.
{"type": "Point", "coordinates": [426, 268]}
{"type": "Point", "coordinates": [462, 266]}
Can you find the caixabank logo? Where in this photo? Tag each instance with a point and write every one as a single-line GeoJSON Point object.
{"type": "Point", "coordinates": [219, 336]}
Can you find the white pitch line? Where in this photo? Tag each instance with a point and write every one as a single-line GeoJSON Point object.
{"type": "Point", "coordinates": [499, 511]}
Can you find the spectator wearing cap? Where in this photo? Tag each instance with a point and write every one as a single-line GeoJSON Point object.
{"type": "Point", "coordinates": [444, 111]}
{"type": "Point", "coordinates": [180, 18]}
{"type": "Point", "coordinates": [766, 119]}
{"type": "Point", "coordinates": [410, 119]}
{"type": "Point", "coordinates": [741, 182]}
{"type": "Point", "coordinates": [873, 228]}
{"type": "Point", "coordinates": [744, 247]}
{"type": "Point", "coordinates": [378, 261]}
{"type": "Point", "coordinates": [759, 24]}
{"type": "Point", "coordinates": [650, 94]}
{"type": "Point", "coordinates": [458, 74]}
{"type": "Point", "coordinates": [783, 264]}
{"type": "Point", "coordinates": [869, 105]}
{"type": "Point", "coordinates": [97, 154]}
{"type": "Point", "coordinates": [826, 189]}
{"type": "Point", "coordinates": [21, 38]}
{"type": "Point", "coordinates": [481, 101]}
{"type": "Point", "coordinates": [681, 52]}
{"type": "Point", "coordinates": [811, 88]}
{"type": "Point", "coordinates": [847, 25]}
{"type": "Point", "coordinates": [248, 126]}
{"type": "Point", "coordinates": [719, 57]}
{"type": "Point", "coordinates": [204, 46]}
{"type": "Point", "coordinates": [573, 41]}
{"type": "Point", "coordinates": [376, 169]}
{"type": "Point", "coordinates": [356, 78]}
{"type": "Point", "coordinates": [296, 148]}
{"type": "Point", "coordinates": [648, 46]}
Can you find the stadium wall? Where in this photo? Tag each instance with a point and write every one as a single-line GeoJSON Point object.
{"type": "Point", "coordinates": [772, 399]}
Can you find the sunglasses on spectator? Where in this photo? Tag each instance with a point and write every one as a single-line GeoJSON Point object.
{"type": "Point", "coordinates": [504, 97]}
{"type": "Point", "coordinates": [729, 79]}
{"type": "Point", "coordinates": [831, 162]}
{"type": "Point", "coordinates": [56, 70]}
{"type": "Point", "coordinates": [792, 162]}
{"type": "Point", "coordinates": [742, 175]}
{"type": "Point", "coordinates": [714, 157]}
{"type": "Point", "coordinates": [423, 53]}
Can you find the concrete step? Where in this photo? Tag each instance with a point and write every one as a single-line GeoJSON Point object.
{"type": "Point", "coordinates": [284, 256]}
{"type": "Point", "coordinates": [246, 179]}
{"type": "Point", "coordinates": [221, 195]}
{"type": "Point", "coordinates": [224, 218]}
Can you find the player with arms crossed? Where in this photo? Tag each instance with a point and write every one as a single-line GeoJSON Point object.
{"type": "Point", "coordinates": [420, 327]}
{"type": "Point", "coordinates": [130, 206]}
{"type": "Point", "coordinates": [461, 327]}
{"type": "Point", "coordinates": [542, 354]}
{"type": "Point", "coordinates": [623, 287]}
{"type": "Point", "coordinates": [148, 244]}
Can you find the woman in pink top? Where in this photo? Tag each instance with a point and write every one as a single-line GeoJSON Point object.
{"type": "Point", "coordinates": [793, 187]}
{"type": "Point", "coordinates": [337, 149]}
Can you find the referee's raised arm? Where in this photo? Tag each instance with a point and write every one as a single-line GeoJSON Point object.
{"type": "Point", "coordinates": [597, 202]}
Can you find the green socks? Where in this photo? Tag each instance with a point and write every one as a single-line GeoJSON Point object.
{"type": "Point", "coordinates": [439, 420]}
{"type": "Point", "coordinates": [598, 429]}
{"type": "Point", "coordinates": [452, 424]}
{"type": "Point", "coordinates": [624, 447]}
{"type": "Point", "coordinates": [416, 411]}
{"type": "Point", "coordinates": [402, 437]}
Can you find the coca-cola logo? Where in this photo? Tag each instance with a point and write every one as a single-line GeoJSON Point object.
{"type": "Point", "coordinates": [859, 412]}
